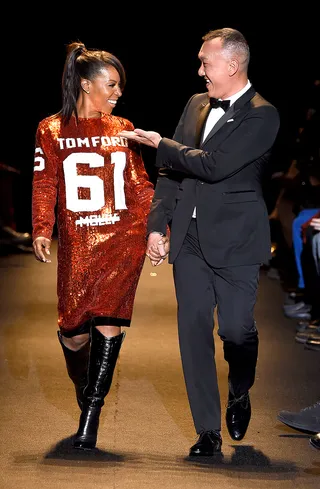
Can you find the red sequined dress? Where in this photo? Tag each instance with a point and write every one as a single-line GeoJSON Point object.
{"type": "Point", "coordinates": [96, 186]}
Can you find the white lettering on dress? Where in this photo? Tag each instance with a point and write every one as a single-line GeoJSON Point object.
{"type": "Point", "coordinates": [94, 141]}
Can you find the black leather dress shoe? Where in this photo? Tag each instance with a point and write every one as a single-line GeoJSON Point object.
{"type": "Point", "coordinates": [9, 236]}
{"type": "Point", "coordinates": [304, 324]}
{"type": "Point", "coordinates": [208, 445]}
{"type": "Point", "coordinates": [302, 313]}
{"type": "Point", "coordinates": [238, 415]}
{"type": "Point", "coordinates": [315, 441]}
{"type": "Point", "coordinates": [303, 336]}
{"type": "Point", "coordinates": [306, 420]}
{"type": "Point", "coordinates": [291, 308]}
{"type": "Point", "coordinates": [313, 341]}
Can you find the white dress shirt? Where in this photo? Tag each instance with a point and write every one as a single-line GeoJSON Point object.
{"type": "Point", "coordinates": [216, 114]}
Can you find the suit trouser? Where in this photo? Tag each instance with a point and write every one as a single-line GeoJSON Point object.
{"type": "Point", "coordinates": [199, 289]}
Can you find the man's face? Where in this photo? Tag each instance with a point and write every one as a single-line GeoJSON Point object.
{"type": "Point", "coordinates": [214, 68]}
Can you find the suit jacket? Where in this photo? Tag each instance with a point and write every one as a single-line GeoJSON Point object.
{"type": "Point", "coordinates": [222, 177]}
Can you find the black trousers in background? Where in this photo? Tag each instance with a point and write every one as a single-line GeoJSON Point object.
{"type": "Point", "coordinates": [199, 289]}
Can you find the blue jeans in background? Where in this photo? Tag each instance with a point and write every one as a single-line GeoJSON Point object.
{"type": "Point", "coordinates": [297, 241]}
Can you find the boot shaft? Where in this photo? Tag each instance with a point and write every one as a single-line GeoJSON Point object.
{"type": "Point", "coordinates": [76, 360]}
{"type": "Point", "coordinates": [77, 367]}
{"type": "Point", "coordinates": [103, 358]}
{"type": "Point", "coordinates": [104, 354]}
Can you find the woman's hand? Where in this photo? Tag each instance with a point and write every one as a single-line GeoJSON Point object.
{"type": "Point", "coordinates": [41, 248]}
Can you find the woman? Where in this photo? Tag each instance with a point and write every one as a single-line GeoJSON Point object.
{"type": "Point", "coordinates": [103, 195]}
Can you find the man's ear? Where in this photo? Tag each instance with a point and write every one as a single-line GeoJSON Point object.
{"type": "Point", "coordinates": [85, 85]}
{"type": "Point", "coordinates": [233, 66]}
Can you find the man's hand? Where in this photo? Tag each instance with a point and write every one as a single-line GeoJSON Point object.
{"type": "Point", "coordinates": [41, 248]}
{"type": "Point", "coordinates": [149, 138]}
{"type": "Point", "coordinates": [157, 248]}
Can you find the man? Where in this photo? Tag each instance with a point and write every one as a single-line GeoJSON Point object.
{"type": "Point", "coordinates": [209, 195]}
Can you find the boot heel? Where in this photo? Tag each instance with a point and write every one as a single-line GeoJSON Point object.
{"type": "Point", "coordinates": [86, 437]}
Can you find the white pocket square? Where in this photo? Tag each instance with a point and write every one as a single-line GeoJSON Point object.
{"type": "Point", "coordinates": [230, 120]}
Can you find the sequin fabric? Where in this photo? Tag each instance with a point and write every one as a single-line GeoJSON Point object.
{"type": "Point", "coordinates": [96, 186]}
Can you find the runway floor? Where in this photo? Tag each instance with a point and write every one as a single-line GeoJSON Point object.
{"type": "Point", "coordinates": [146, 427]}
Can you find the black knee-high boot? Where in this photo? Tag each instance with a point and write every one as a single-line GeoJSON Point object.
{"type": "Point", "coordinates": [104, 353]}
{"type": "Point", "coordinates": [77, 367]}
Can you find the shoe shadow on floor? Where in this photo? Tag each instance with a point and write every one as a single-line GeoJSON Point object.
{"type": "Point", "coordinates": [64, 450]}
{"type": "Point", "coordinates": [246, 459]}
{"type": "Point", "coordinates": [293, 432]}
{"type": "Point", "coordinates": [307, 436]}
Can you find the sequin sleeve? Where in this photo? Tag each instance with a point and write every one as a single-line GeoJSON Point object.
{"type": "Point", "coordinates": [44, 186]}
{"type": "Point", "coordinates": [144, 189]}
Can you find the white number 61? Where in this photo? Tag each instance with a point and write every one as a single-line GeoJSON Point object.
{"type": "Point", "coordinates": [94, 183]}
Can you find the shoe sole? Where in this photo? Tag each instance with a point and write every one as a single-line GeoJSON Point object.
{"type": "Point", "coordinates": [216, 455]}
{"type": "Point", "coordinates": [301, 340]}
{"type": "Point", "coordinates": [306, 316]}
{"type": "Point", "coordinates": [302, 329]}
{"type": "Point", "coordinates": [85, 449]}
{"type": "Point", "coordinates": [312, 347]}
{"type": "Point", "coordinates": [299, 427]}
{"type": "Point", "coordinates": [235, 438]}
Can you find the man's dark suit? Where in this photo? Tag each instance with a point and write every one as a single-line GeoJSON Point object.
{"type": "Point", "coordinates": [216, 257]}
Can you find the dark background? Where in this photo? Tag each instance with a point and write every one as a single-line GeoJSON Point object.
{"type": "Point", "coordinates": [159, 50]}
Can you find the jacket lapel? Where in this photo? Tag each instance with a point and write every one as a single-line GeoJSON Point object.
{"type": "Point", "coordinates": [227, 115]}
{"type": "Point", "coordinates": [231, 112]}
{"type": "Point", "coordinates": [204, 111]}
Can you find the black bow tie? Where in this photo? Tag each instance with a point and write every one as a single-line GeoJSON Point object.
{"type": "Point", "coordinates": [215, 103]}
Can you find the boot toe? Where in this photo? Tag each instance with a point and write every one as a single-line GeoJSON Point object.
{"type": "Point", "coordinates": [315, 441]}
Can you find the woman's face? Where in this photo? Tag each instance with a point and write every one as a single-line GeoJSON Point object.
{"type": "Point", "coordinates": [104, 91]}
